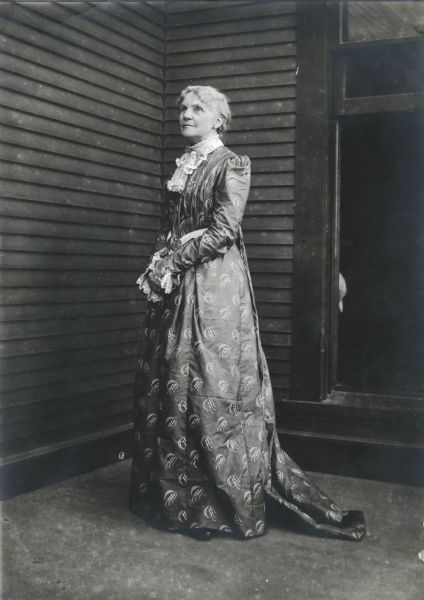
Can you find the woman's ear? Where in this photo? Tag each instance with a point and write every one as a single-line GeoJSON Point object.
{"type": "Point", "coordinates": [218, 122]}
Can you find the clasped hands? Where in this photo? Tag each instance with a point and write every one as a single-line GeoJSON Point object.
{"type": "Point", "coordinates": [159, 279]}
{"type": "Point", "coordinates": [158, 269]}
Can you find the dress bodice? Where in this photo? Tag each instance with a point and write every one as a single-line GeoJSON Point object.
{"type": "Point", "coordinates": [192, 209]}
{"type": "Point", "coordinates": [214, 198]}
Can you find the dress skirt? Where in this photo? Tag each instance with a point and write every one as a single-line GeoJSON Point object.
{"type": "Point", "coordinates": [206, 453]}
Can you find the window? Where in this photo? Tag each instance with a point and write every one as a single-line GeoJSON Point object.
{"type": "Point", "coordinates": [379, 228]}
{"type": "Point", "coordinates": [359, 200]}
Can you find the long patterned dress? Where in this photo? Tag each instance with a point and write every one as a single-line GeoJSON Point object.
{"type": "Point", "coordinates": [206, 454]}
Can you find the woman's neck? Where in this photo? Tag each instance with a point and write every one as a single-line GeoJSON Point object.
{"type": "Point", "coordinates": [207, 144]}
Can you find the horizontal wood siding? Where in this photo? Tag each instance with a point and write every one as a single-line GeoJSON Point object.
{"type": "Point", "coordinates": [248, 50]}
{"type": "Point", "coordinates": [81, 120]}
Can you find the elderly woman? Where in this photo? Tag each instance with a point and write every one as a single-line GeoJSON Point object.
{"type": "Point", "coordinates": [206, 454]}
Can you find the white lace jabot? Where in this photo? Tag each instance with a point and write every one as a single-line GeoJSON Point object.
{"type": "Point", "coordinates": [190, 160]}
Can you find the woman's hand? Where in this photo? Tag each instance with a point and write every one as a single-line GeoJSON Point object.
{"type": "Point", "coordinates": [154, 282]}
{"type": "Point", "coordinates": [160, 267]}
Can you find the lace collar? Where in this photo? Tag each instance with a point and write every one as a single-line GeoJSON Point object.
{"type": "Point", "coordinates": [190, 160]}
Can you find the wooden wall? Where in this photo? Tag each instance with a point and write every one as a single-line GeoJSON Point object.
{"type": "Point", "coordinates": [248, 51]}
{"type": "Point", "coordinates": [81, 119]}
{"type": "Point", "coordinates": [84, 124]}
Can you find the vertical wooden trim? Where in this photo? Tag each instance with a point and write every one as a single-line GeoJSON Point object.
{"type": "Point", "coordinates": [333, 327]}
{"type": "Point", "coordinates": [335, 33]}
{"type": "Point", "coordinates": [311, 220]}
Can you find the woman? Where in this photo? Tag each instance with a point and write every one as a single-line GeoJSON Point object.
{"type": "Point", "coordinates": [206, 453]}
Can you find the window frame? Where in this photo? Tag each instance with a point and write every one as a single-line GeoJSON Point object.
{"type": "Point", "coordinates": [321, 104]}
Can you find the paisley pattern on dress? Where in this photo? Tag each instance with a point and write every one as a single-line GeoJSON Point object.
{"type": "Point", "coordinates": [206, 453]}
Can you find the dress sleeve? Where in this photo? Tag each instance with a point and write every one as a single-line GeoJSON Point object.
{"type": "Point", "coordinates": [230, 201]}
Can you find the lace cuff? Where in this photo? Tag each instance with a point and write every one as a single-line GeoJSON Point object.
{"type": "Point", "coordinates": [168, 282]}
{"type": "Point", "coordinates": [144, 286]}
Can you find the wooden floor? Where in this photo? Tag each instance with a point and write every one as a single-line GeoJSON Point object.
{"type": "Point", "coordinates": [77, 540]}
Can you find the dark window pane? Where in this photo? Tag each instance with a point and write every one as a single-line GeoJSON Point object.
{"type": "Point", "coordinates": [388, 69]}
{"type": "Point", "coordinates": [381, 329]}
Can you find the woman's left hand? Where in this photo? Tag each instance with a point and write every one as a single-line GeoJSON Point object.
{"type": "Point", "coordinates": [154, 282]}
{"type": "Point", "coordinates": [161, 267]}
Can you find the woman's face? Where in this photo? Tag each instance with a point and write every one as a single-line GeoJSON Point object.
{"type": "Point", "coordinates": [197, 119]}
